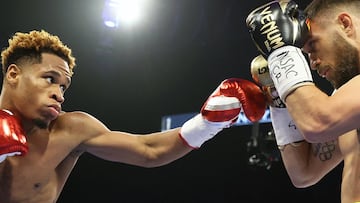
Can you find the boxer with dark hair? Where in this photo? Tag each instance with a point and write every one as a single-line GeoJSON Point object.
{"type": "Point", "coordinates": [326, 126]}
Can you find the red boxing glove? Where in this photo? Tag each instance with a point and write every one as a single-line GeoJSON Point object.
{"type": "Point", "coordinates": [232, 95]}
{"type": "Point", "coordinates": [12, 138]}
{"type": "Point", "coordinates": [222, 109]}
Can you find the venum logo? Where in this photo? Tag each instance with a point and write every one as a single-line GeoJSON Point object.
{"type": "Point", "coordinates": [271, 30]}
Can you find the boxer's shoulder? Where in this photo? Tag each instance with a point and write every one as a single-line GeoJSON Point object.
{"type": "Point", "coordinates": [78, 123]}
{"type": "Point", "coordinates": [73, 118]}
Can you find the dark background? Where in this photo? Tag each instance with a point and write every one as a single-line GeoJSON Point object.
{"type": "Point", "coordinates": [130, 77]}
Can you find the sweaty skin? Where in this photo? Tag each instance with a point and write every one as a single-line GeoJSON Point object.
{"type": "Point", "coordinates": [56, 139]}
{"type": "Point", "coordinates": [330, 120]}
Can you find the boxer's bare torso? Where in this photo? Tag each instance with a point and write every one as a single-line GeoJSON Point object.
{"type": "Point", "coordinates": [350, 148]}
{"type": "Point", "coordinates": [40, 176]}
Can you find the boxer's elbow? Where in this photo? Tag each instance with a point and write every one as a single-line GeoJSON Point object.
{"type": "Point", "coordinates": [317, 130]}
{"type": "Point", "coordinates": [319, 136]}
{"type": "Point", "coordinates": [303, 183]}
{"type": "Point", "coordinates": [303, 180]}
{"type": "Point", "coordinates": [149, 163]}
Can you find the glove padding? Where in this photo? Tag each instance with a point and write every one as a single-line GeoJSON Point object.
{"type": "Point", "coordinates": [277, 24]}
{"type": "Point", "coordinates": [260, 73]}
{"type": "Point", "coordinates": [278, 29]}
{"type": "Point", "coordinates": [222, 108]}
{"type": "Point", "coordinates": [12, 138]}
{"type": "Point", "coordinates": [232, 96]}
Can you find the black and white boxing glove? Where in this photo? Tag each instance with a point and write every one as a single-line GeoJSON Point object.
{"type": "Point", "coordinates": [279, 30]}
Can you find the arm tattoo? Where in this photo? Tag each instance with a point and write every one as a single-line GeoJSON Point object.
{"type": "Point", "coordinates": [324, 150]}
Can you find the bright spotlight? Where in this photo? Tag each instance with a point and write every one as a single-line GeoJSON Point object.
{"type": "Point", "coordinates": [125, 12]}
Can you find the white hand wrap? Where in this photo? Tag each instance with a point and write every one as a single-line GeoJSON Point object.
{"type": "Point", "coordinates": [4, 156]}
{"type": "Point", "coordinates": [197, 130]}
{"type": "Point", "coordinates": [289, 70]}
{"type": "Point", "coordinates": [284, 127]}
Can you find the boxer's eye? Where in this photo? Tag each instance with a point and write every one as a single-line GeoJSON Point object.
{"type": "Point", "coordinates": [50, 79]}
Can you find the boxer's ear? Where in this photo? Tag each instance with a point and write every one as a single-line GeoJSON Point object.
{"type": "Point", "coordinates": [346, 23]}
{"type": "Point", "coordinates": [12, 74]}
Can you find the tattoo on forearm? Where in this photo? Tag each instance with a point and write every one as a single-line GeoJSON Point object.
{"type": "Point", "coordinates": [324, 150]}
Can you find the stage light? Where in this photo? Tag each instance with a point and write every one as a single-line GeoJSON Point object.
{"type": "Point", "coordinates": [124, 12]}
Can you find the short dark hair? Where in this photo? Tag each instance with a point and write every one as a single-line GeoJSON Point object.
{"type": "Point", "coordinates": [319, 7]}
{"type": "Point", "coordinates": [29, 46]}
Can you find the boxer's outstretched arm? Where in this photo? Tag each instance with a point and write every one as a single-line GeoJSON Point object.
{"type": "Point", "coordinates": [148, 150]}
{"type": "Point", "coordinates": [220, 111]}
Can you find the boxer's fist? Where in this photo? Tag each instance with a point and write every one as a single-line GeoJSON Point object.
{"type": "Point", "coordinates": [277, 24]}
{"type": "Point", "coordinates": [222, 108]}
{"type": "Point", "coordinates": [279, 30]}
{"type": "Point", "coordinates": [232, 96]}
{"type": "Point", "coordinates": [260, 73]}
{"type": "Point", "coordinates": [12, 138]}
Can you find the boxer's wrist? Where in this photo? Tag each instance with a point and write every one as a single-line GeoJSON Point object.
{"type": "Point", "coordinates": [197, 130]}
{"type": "Point", "coordinates": [4, 156]}
{"type": "Point", "coordinates": [293, 144]}
{"type": "Point", "coordinates": [284, 128]}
